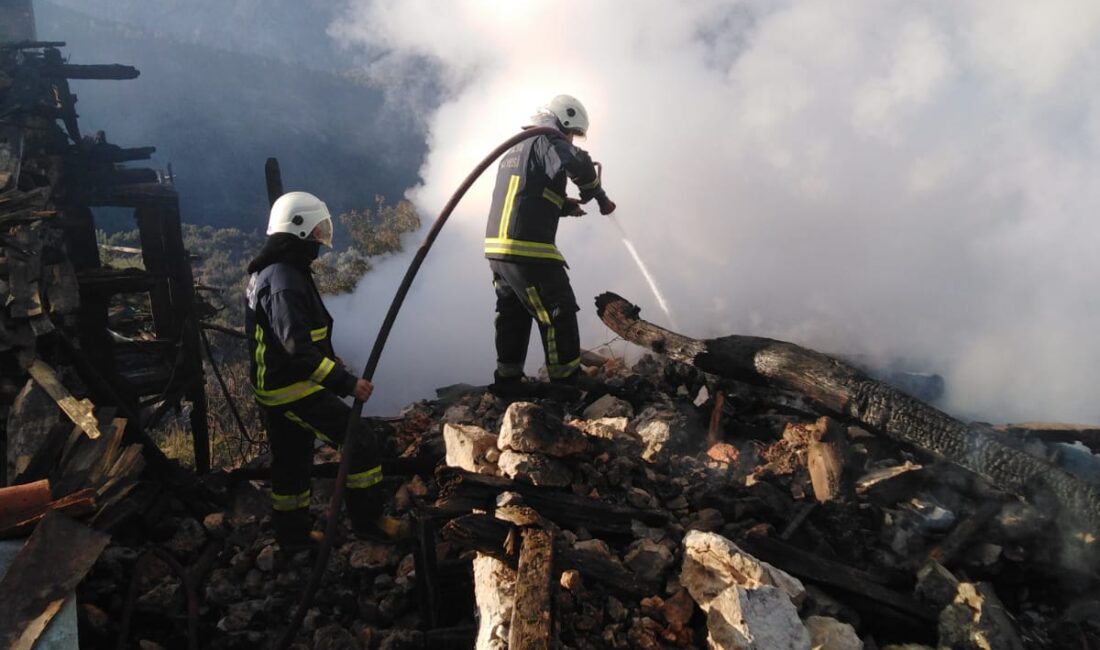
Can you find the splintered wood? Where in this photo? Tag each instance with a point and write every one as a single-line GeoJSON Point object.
{"type": "Point", "coordinates": [41, 577]}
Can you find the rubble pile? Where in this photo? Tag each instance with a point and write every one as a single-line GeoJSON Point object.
{"type": "Point", "coordinates": [667, 509]}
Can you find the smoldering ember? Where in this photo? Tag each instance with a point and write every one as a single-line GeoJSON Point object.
{"type": "Point", "coordinates": [736, 492]}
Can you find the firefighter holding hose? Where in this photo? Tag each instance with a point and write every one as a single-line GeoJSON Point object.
{"type": "Point", "coordinates": [296, 377]}
{"type": "Point", "coordinates": [528, 269]}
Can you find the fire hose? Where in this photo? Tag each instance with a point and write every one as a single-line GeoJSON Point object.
{"type": "Point", "coordinates": [333, 511]}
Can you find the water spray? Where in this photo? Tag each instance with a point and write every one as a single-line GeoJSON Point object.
{"type": "Point", "coordinates": [645, 272]}
{"type": "Point", "coordinates": [638, 260]}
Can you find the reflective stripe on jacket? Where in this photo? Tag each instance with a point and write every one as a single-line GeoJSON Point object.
{"type": "Point", "coordinates": [530, 195]}
{"type": "Point", "coordinates": [290, 338]}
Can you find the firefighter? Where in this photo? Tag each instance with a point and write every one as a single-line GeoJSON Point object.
{"type": "Point", "coordinates": [296, 377]}
{"type": "Point", "coordinates": [528, 269]}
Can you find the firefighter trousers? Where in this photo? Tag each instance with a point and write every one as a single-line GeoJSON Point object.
{"type": "Point", "coordinates": [540, 292]}
{"type": "Point", "coordinates": [291, 431]}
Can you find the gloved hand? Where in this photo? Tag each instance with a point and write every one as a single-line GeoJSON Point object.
{"type": "Point", "coordinates": [363, 389]}
{"type": "Point", "coordinates": [572, 208]}
{"type": "Point", "coordinates": [607, 206]}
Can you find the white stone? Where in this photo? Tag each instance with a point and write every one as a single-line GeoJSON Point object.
{"type": "Point", "coordinates": [468, 447]}
{"type": "Point", "coordinates": [702, 397]}
{"type": "Point", "coordinates": [762, 618]}
{"type": "Point", "coordinates": [656, 427]}
{"type": "Point", "coordinates": [494, 585]}
{"type": "Point", "coordinates": [713, 563]}
{"type": "Point", "coordinates": [527, 427]}
{"type": "Point", "coordinates": [830, 634]}
{"type": "Point", "coordinates": [536, 469]}
{"type": "Point", "coordinates": [606, 428]}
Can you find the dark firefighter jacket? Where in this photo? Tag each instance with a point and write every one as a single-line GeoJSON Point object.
{"type": "Point", "coordinates": [530, 195]}
{"type": "Point", "coordinates": [290, 338]}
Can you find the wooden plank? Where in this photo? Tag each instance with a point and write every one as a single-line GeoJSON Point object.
{"type": "Point", "coordinates": [532, 613]}
{"type": "Point", "coordinates": [114, 71]}
{"type": "Point", "coordinates": [274, 178]}
{"type": "Point", "coordinates": [19, 502]}
{"type": "Point", "coordinates": [77, 504]}
{"type": "Point", "coordinates": [79, 411]}
{"type": "Point", "coordinates": [460, 490]}
{"type": "Point", "coordinates": [813, 568]}
{"type": "Point", "coordinates": [52, 562]}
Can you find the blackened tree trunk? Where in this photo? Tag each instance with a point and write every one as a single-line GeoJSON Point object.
{"type": "Point", "coordinates": [848, 392]}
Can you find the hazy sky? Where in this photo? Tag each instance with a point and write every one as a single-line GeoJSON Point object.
{"type": "Point", "coordinates": [889, 178]}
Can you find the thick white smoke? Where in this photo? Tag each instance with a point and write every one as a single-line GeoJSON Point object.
{"type": "Point", "coordinates": [885, 178]}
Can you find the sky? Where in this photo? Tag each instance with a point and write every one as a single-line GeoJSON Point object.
{"type": "Point", "coordinates": [891, 179]}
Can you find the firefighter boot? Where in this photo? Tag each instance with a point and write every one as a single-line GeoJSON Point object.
{"type": "Point", "coordinates": [364, 509]}
{"type": "Point", "coordinates": [292, 529]}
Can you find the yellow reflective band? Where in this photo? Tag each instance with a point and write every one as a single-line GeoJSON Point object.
{"type": "Point", "coordinates": [293, 417]}
{"type": "Point", "coordinates": [261, 349]}
{"type": "Point", "coordinates": [562, 370]}
{"type": "Point", "coordinates": [522, 248]}
{"type": "Point", "coordinates": [318, 334]}
{"type": "Point", "coordinates": [509, 201]}
{"type": "Point", "coordinates": [287, 394]}
{"type": "Point", "coordinates": [540, 311]}
{"type": "Point", "coordinates": [322, 370]}
{"type": "Point", "coordinates": [591, 186]}
{"type": "Point", "coordinates": [553, 197]}
{"type": "Point", "coordinates": [544, 318]}
{"type": "Point", "coordinates": [287, 502]}
{"type": "Point", "coordinates": [365, 479]}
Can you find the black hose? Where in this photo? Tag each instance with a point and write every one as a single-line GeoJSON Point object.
{"type": "Point", "coordinates": [333, 510]}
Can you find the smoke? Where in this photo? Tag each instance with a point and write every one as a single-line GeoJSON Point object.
{"type": "Point", "coordinates": [890, 179]}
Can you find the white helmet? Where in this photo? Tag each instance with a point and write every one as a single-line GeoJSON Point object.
{"type": "Point", "coordinates": [570, 113]}
{"type": "Point", "coordinates": [303, 215]}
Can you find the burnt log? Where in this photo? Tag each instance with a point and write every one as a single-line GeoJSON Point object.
{"type": "Point", "coordinates": [462, 491]}
{"type": "Point", "coordinates": [846, 391]}
{"type": "Point", "coordinates": [491, 536]}
{"type": "Point", "coordinates": [100, 71]}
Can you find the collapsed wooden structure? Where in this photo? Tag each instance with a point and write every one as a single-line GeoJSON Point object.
{"type": "Point", "coordinates": [126, 338]}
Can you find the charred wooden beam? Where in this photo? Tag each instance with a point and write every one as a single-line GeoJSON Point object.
{"type": "Point", "coordinates": [863, 591]}
{"type": "Point", "coordinates": [489, 535]}
{"type": "Point", "coordinates": [47, 569]}
{"type": "Point", "coordinates": [274, 178]}
{"type": "Point", "coordinates": [532, 613]}
{"type": "Point", "coordinates": [460, 491]}
{"type": "Point", "coordinates": [847, 391]}
{"type": "Point", "coordinates": [31, 45]}
{"type": "Point", "coordinates": [106, 71]}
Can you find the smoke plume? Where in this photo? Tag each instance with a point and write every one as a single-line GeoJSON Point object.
{"type": "Point", "coordinates": [891, 179]}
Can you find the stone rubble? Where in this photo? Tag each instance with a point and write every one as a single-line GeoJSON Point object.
{"type": "Point", "coordinates": [644, 444]}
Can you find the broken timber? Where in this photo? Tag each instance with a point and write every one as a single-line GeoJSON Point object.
{"type": "Point", "coordinates": [847, 391]}
{"type": "Point", "coordinates": [41, 579]}
{"type": "Point", "coordinates": [532, 624]}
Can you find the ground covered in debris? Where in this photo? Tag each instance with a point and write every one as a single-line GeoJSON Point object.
{"type": "Point", "coordinates": [666, 509]}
